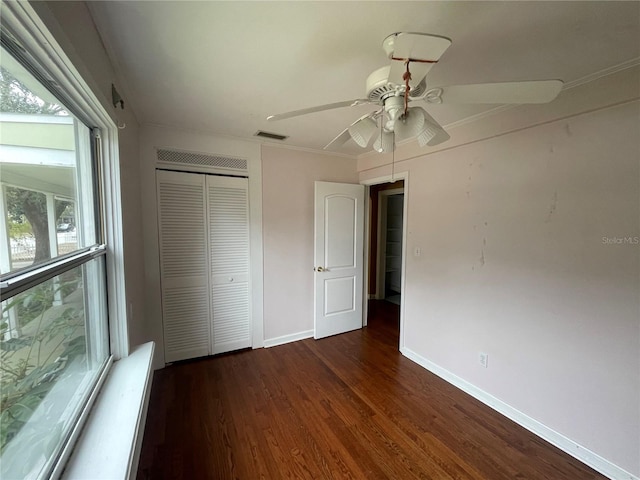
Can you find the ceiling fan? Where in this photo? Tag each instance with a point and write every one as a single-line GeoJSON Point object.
{"type": "Point", "coordinates": [393, 87]}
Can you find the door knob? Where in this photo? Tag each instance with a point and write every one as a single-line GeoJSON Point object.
{"type": "Point", "coordinates": [320, 269]}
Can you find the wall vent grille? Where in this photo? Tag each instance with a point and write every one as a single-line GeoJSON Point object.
{"type": "Point", "coordinates": [188, 158]}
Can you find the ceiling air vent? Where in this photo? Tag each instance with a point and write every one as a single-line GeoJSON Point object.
{"type": "Point", "coordinates": [270, 136]}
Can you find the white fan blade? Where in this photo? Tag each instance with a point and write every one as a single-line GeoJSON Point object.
{"type": "Point", "coordinates": [320, 108]}
{"type": "Point", "coordinates": [340, 140]}
{"type": "Point", "coordinates": [415, 46]}
{"type": "Point", "coordinates": [541, 91]}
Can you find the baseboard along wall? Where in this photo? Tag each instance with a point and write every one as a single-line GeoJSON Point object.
{"type": "Point", "coordinates": [294, 337]}
{"type": "Point", "coordinates": [565, 444]}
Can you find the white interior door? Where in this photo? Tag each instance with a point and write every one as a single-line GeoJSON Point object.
{"type": "Point", "coordinates": [229, 269]}
{"type": "Point", "coordinates": [339, 233]}
{"type": "Point", "coordinates": [183, 265]}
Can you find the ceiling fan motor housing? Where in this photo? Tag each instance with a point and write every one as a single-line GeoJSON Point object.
{"type": "Point", "coordinates": [378, 86]}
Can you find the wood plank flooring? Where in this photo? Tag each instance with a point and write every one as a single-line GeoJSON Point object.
{"type": "Point", "coordinates": [349, 406]}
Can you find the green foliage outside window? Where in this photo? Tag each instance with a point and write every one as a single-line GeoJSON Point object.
{"type": "Point", "coordinates": [53, 337]}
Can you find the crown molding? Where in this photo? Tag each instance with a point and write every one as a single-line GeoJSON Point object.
{"type": "Point", "coordinates": [592, 77]}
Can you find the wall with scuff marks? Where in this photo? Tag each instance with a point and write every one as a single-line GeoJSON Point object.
{"type": "Point", "coordinates": [530, 253]}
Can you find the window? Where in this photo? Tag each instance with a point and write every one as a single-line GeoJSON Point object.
{"type": "Point", "coordinates": [50, 366]}
{"type": "Point", "coordinates": [55, 344]}
{"type": "Point", "coordinates": [47, 172]}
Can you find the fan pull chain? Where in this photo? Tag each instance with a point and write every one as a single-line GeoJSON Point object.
{"type": "Point", "coordinates": [393, 158]}
{"type": "Point", "coordinates": [406, 77]}
{"type": "Point", "coordinates": [381, 129]}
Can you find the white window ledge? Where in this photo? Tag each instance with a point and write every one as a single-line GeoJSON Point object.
{"type": "Point", "coordinates": [109, 446]}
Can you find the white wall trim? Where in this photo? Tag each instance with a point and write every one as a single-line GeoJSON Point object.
{"type": "Point", "coordinates": [308, 150]}
{"type": "Point", "coordinates": [565, 444]}
{"type": "Point", "coordinates": [294, 337]}
{"type": "Point", "coordinates": [592, 77]}
{"type": "Point", "coordinates": [366, 248]}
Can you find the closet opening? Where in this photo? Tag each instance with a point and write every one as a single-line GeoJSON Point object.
{"type": "Point", "coordinates": [386, 239]}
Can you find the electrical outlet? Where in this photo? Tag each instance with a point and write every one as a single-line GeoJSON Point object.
{"type": "Point", "coordinates": [484, 359]}
{"type": "Point", "coordinates": [417, 251]}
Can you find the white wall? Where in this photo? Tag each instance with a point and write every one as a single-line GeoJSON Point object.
{"type": "Point", "coordinates": [72, 26]}
{"type": "Point", "coordinates": [514, 263]}
{"type": "Point", "coordinates": [288, 178]}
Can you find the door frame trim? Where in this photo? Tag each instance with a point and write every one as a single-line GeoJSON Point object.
{"type": "Point", "coordinates": [367, 244]}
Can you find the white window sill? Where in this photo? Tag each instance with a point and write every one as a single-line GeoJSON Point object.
{"type": "Point", "coordinates": [110, 443]}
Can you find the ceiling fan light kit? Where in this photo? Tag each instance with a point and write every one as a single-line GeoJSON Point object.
{"type": "Point", "coordinates": [433, 134]}
{"type": "Point", "coordinates": [384, 143]}
{"type": "Point", "coordinates": [410, 124]}
{"type": "Point", "coordinates": [363, 131]}
{"type": "Point", "coordinates": [392, 87]}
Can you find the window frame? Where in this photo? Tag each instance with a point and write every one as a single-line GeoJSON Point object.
{"type": "Point", "coordinates": [56, 71]}
{"type": "Point", "coordinates": [23, 23]}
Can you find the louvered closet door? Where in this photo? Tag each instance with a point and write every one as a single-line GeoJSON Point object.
{"type": "Point", "coordinates": [184, 265]}
{"type": "Point", "coordinates": [229, 253]}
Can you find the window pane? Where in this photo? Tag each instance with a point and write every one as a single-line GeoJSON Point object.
{"type": "Point", "coordinates": [45, 173]}
{"type": "Point", "coordinates": [54, 344]}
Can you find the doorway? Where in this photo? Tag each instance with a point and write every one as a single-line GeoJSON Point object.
{"type": "Point", "coordinates": [385, 254]}
{"type": "Point", "coordinates": [389, 270]}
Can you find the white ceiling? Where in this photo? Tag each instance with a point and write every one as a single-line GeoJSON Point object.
{"type": "Point", "coordinates": [223, 67]}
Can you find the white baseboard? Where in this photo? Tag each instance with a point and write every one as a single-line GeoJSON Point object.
{"type": "Point", "coordinates": [565, 444]}
{"type": "Point", "coordinates": [294, 337]}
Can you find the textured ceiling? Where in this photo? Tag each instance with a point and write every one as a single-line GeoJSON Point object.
{"type": "Point", "coordinates": [223, 67]}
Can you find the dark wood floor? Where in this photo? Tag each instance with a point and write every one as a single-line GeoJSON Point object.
{"type": "Point", "coordinates": [348, 406]}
